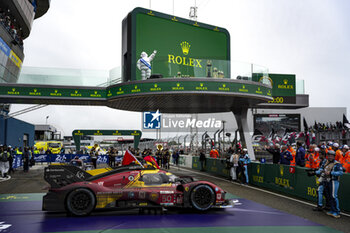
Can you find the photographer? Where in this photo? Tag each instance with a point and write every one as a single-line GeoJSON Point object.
{"type": "Point", "coordinates": [321, 185]}
{"type": "Point", "coordinates": [330, 171]}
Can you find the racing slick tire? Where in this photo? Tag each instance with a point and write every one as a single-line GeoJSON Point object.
{"type": "Point", "coordinates": [80, 202]}
{"type": "Point", "coordinates": [202, 197]}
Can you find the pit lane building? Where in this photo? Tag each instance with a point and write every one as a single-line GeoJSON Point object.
{"type": "Point", "coordinates": [16, 21]}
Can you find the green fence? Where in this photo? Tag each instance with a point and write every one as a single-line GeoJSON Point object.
{"type": "Point", "coordinates": [280, 179]}
{"type": "Point", "coordinates": [215, 166]}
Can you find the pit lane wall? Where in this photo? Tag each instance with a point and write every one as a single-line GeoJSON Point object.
{"type": "Point", "coordinates": [292, 181]}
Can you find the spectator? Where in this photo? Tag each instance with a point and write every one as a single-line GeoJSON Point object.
{"type": "Point", "coordinates": [93, 157]}
{"type": "Point", "coordinates": [214, 153]}
{"type": "Point", "coordinates": [176, 156]}
{"type": "Point", "coordinates": [321, 185]}
{"type": "Point", "coordinates": [48, 155]}
{"type": "Point", "coordinates": [202, 159]}
{"type": "Point", "coordinates": [345, 161]}
{"type": "Point", "coordinates": [300, 155]}
{"type": "Point", "coordinates": [293, 153]}
{"type": "Point", "coordinates": [166, 158]}
{"type": "Point", "coordinates": [11, 170]}
{"type": "Point", "coordinates": [275, 151]}
{"type": "Point", "coordinates": [338, 152]}
{"type": "Point", "coordinates": [285, 156]}
{"type": "Point", "coordinates": [332, 170]}
{"type": "Point", "coordinates": [234, 158]}
{"type": "Point", "coordinates": [244, 161]}
{"type": "Point", "coordinates": [26, 159]}
{"type": "Point", "coordinates": [4, 161]}
{"type": "Point", "coordinates": [111, 158]}
{"type": "Point", "coordinates": [159, 157]}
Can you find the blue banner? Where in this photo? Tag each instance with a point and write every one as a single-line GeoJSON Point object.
{"type": "Point", "coordinates": [40, 158]}
{"type": "Point", "coordinates": [4, 47]}
{"type": "Point", "coordinates": [17, 161]}
{"type": "Point", "coordinates": [62, 158]}
{"type": "Point", "coordinates": [119, 159]}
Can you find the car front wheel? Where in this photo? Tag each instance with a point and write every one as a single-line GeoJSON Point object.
{"type": "Point", "coordinates": [202, 197]}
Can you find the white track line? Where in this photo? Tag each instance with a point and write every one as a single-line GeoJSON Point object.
{"type": "Point", "coordinates": [5, 179]}
{"type": "Point", "coordinates": [262, 190]}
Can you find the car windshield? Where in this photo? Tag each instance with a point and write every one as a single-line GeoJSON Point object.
{"type": "Point", "coordinates": [55, 145]}
{"type": "Point", "coordinates": [159, 178]}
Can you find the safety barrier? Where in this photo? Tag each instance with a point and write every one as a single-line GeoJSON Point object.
{"type": "Point", "coordinates": [292, 181]}
{"type": "Point", "coordinates": [185, 161]}
{"type": "Point", "coordinates": [215, 166]}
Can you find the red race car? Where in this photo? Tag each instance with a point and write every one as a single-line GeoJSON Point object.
{"type": "Point", "coordinates": [78, 192]}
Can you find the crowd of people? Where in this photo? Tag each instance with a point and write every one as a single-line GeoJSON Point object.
{"type": "Point", "coordinates": [318, 126]}
{"type": "Point", "coordinates": [7, 156]}
{"type": "Point", "coordinates": [310, 157]}
{"type": "Point", "coordinates": [8, 22]}
{"type": "Point", "coordinates": [328, 161]}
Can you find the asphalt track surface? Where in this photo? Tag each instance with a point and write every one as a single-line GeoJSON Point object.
{"type": "Point", "coordinates": [257, 211]}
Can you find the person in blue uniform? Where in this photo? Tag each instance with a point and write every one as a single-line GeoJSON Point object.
{"type": "Point", "coordinates": [245, 160]}
{"type": "Point", "coordinates": [286, 156]}
{"type": "Point", "coordinates": [332, 171]}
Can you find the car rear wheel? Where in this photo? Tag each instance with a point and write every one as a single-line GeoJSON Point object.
{"type": "Point", "coordinates": [80, 202]}
{"type": "Point", "coordinates": [202, 197]}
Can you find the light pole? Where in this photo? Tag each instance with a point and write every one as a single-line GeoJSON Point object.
{"type": "Point", "coordinates": [223, 135]}
{"type": "Point", "coordinates": [47, 117]}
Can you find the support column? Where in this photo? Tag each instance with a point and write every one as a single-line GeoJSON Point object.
{"type": "Point", "coordinates": [242, 123]}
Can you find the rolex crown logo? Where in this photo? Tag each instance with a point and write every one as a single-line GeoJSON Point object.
{"type": "Point", "coordinates": [285, 81]}
{"type": "Point", "coordinates": [281, 170]}
{"type": "Point", "coordinates": [185, 46]}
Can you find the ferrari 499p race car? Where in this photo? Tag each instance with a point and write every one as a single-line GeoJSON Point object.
{"type": "Point", "coordinates": [78, 193]}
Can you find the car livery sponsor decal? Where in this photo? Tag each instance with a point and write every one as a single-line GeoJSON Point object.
{"type": "Point", "coordinates": [142, 195]}
{"type": "Point", "coordinates": [154, 196]}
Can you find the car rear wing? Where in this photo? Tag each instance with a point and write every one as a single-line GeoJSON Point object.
{"type": "Point", "coordinates": [61, 175]}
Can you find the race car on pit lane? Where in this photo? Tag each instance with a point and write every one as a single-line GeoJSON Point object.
{"type": "Point", "coordinates": [78, 193]}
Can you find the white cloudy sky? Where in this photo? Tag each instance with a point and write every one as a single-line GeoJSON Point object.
{"type": "Point", "coordinates": [309, 38]}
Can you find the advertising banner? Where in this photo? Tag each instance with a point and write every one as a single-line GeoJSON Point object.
{"type": "Point", "coordinates": [62, 158]}
{"type": "Point", "coordinates": [17, 161]}
{"type": "Point", "coordinates": [173, 47]}
{"type": "Point", "coordinates": [283, 87]}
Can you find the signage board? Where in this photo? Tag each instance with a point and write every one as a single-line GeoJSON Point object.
{"type": "Point", "coordinates": [175, 47]}
{"type": "Point", "coordinates": [283, 87]}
